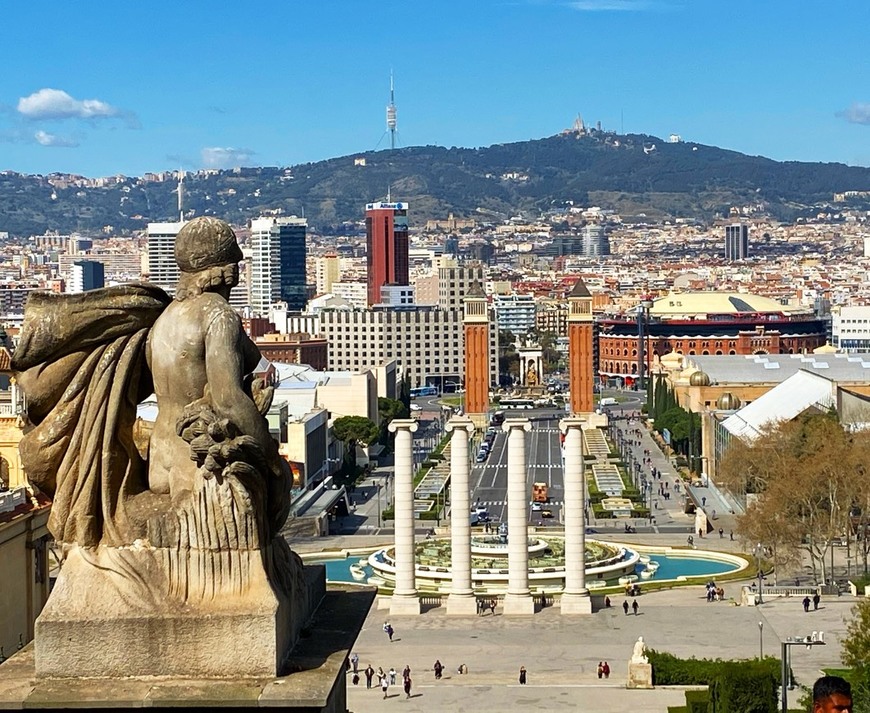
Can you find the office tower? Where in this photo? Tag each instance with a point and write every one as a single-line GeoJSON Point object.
{"type": "Point", "coordinates": [515, 313]}
{"type": "Point", "coordinates": [327, 272]}
{"type": "Point", "coordinates": [477, 354]}
{"type": "Point", "coordinates": [736, 241]}
{"type": "Point", "coordinates": [386, 247]}
{"type": "Point", "coordinates": [86, 275]}
{"type": "Point", "coordinates": [162, 269]}
{"type": "Point", "coordinates": [581, 372]}
{"type": "Point", "coordinates": [594, 240]}
{"type": "Point", "coordinates": [278, 263]}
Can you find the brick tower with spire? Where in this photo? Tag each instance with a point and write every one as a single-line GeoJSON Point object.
{"type": "Point", "coordinates": [476, 323]}
{"type": "Point", "coordinates": [581, 372]}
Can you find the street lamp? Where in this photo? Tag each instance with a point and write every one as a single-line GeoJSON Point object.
{"type": "Point", "coordinates": [377, 487]}
{"type": "Point", "coordinates": [817, 638]}
{"type": "Point", "coordinates": [759, 551]}
{"type": "Point", "coordinates": [642, 321]}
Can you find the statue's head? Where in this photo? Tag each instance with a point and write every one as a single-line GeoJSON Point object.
{"type": "Point", "coordinates": [208, 256]}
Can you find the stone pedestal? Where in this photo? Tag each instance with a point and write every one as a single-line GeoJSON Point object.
{"type": "Point", "coordinates": [135, 624]}
{"type": "Point", "coordinates": [639, 675]}
{"type": "Point", "coordinates": [461, 601]}
{"type": "Point", "coordinates": [405, 601]}
{"type": "Point", "coordinates": [317, 683]}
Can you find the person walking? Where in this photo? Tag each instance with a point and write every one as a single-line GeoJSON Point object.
{"type": "Point", "coordinates": [385, 686]}
{"type": "Point", "coordinates": [817, 598]}
{"type": "Point", "coordinates": [625, 607]}
{"type": "Point", "coordinates": [369, 672]}
{"type": "Point", "coordinates": [392, 676]}
{"type": "Point", "coordinates": [406, 672]}
{"type": "Point", "coordinates": [354, 661]}
{"type": "Point", "coordinates": [390, 632]}
{"type": "Point", "coordinates": [806, 603]}
{"type": "Point", "coordinates": [438, 667]}
{"type": "Point", "coordinates": [522, 675]}
{"type": "Point", "coordinates": [634, 607]}
{"type": "Point", "coordinates": [406, 684]}
{"type": "Point", "coordinates": [600, 669]}
{"type": "Point", "coordinates": [606, 668]}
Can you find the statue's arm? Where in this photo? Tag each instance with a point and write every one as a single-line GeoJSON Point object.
{"type": "Point", "coordinates": [224, 362]}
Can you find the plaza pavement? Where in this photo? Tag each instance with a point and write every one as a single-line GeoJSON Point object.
{"type": "Point", "coordinates": [561, 654]}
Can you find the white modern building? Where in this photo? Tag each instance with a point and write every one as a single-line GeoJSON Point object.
{"type": "Point", "coordinates": [162, 269]}
{"type": "Point", "coordinates": [850, 328]}
{"type": "Point", "coordinates": [515, 313]}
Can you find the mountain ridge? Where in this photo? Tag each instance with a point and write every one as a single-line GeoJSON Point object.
{"type": "Point", "coordinates": [632, 174]}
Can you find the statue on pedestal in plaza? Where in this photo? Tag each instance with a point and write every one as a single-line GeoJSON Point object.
{"type": "Point", "coordinates": [640, 674]}
{"type": "Point", "coordinates": [639, 653]}
{"type": "Point", "coordinates": [170, 538]}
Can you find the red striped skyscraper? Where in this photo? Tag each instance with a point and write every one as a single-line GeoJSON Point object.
{"type": "Point", "coordinates": [386, 247]}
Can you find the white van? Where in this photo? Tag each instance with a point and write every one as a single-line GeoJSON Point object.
{"type": "Point", "coordinates": [607, 401]}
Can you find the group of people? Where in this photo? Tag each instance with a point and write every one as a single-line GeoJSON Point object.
{"type": "Point", "coordinates": [603, 669]}
{"type": "Point", "coordinates": [815, 602]}
{"type": "Point", "coordinates": [714, 592]}
{"type": "Point", "coordinates": [486, 604]}
{"type": "Point", "coordinates": [385, 678]}
{"type": "Point", "coordinates": [634, 607]}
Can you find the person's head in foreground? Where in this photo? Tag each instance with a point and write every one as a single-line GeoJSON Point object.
{"type": "Point", "coordinates": [832, 694]}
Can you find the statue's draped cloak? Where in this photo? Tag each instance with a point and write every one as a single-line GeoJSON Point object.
{"type": "Point", "coordinates": [81, 362]}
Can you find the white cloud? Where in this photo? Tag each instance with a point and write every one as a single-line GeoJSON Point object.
{"type": "Point", "coordinates": [225, 157]}
{"type": "Point", "coordinates": [858, 113]}
{"type": "Point", "coordinates": [57, 104]}
{"type": "Point", "coordinates": [53, 140]}
{"type": "Point", "coordinates": [608, 5]}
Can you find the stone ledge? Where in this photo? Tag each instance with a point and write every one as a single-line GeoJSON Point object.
{"type": "Point", "coordinates": [316, 685]}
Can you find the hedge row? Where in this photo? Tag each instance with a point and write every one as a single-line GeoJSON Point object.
{"type": "Point", "coordinates": [735, 686]}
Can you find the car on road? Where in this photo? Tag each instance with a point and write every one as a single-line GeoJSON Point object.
{"type": "Point", "coordinates": [416, 407]}
{"type": "Point", "coordinates": [481, 456]}
{"type": "Point", "coordinates": [537, 507]}
{"type": "Point", "coordinates": [546, 513]}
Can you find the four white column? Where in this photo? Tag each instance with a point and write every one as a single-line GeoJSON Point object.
{"type": "Point", "coordinates": [461, 601]}
{"type": "Point", "coordinates": [575, 596]}
{"type": "Point", "coordinates": [518, 600]}
{"type": "Point", "coordinates": [405, 599]}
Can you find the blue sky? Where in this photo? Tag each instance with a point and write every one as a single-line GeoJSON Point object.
{"type": "Point", "coordinates": [99, 88]}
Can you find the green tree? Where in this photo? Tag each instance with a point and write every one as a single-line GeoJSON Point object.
{"type": "Point", "coordinates": [508, 358]}
{"type": "Point", "coordinates": [856, 654]}
{"type": "Point", "coordinates": [388, 409]}
{"type": "Point", "coordinates": [352, 430]}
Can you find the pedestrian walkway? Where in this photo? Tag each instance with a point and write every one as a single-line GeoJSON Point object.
{"type": "Point", "coordinates": [561, 674]}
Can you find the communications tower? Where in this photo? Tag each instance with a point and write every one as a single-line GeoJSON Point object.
{"type": "Point", "coordinates": [391, 115]}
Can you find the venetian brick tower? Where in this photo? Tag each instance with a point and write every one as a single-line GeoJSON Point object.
{"type": "Point", "coordinates": [580, 367]}
{"type": "Point", "coordinates": [476, 323]}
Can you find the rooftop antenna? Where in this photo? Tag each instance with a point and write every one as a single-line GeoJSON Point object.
{"type": "Point", "coordinates": [391, 114]}
{"type": "Point", "coordinates": [180, 191]}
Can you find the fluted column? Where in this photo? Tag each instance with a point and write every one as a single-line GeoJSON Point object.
{"type": "Point", "coordinates": [575, 596]}
{"type": "Point", "coordinates": [405, 599]}
{"type": "Point", "coordinates": [461, 601]}
{"type": "Point", "coordinates": [518, 600]}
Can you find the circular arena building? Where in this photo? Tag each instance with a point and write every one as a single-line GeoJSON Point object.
{"type": "Point", "coordinates": [703, 323]}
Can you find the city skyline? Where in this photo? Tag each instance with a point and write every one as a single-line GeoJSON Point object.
{"type": "Point", "coordinates": [272, 84]}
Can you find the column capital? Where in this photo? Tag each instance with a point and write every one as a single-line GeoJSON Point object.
{"type": "Point", "coordinates": [515, 423]}
{"type": "Point", "coordinates": [571, 422]}
{"type": "Point", "coordinates": [397, 423]}
{"type": "Point", "coordinates": [460, 423]}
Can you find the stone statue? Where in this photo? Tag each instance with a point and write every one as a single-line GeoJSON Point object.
{"type": "Point", "coordinates": [639, 653]}
{"type": "Point", "coordinates": [178, 524]}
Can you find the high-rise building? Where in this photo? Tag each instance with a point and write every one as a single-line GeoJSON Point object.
{"type": "Point", "coordinates": [386, 247]}
{"type": "Point", "coordinates": [278, 263]}
{"type": "Point", "coordinates": [162, 269]}
{"type": "Point", "coordinates": [736, 241]}
{"type": "Point", "coordinates": [326, 272]}
{"type": "Point", "coordinates": [594, 240]}
{"type": "Point", "coordinates": [86, 275]}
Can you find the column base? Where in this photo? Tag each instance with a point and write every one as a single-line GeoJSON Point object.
{"type": "Point", "coordinates": [404, 605]}
{"type": "Point", "coordinates": [576, 602]}
{"type": "Point", "coordinates": [461, 605]}
{"type": "Point", "coordinates": [518, 604]}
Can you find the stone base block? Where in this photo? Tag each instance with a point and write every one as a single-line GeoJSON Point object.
{"type": "Point", "coordinates": [576, 603]}
{"type": "Point", "coordinates": [405, 605]}
{"type": "Point", "coordinates": [461, 605]}
{"type": "Point", "coordinates": [519, 605]}
{"type": "Point", "coordinates": [113, 614]}
{"type": "Point", "coordinates": [639, 675]}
